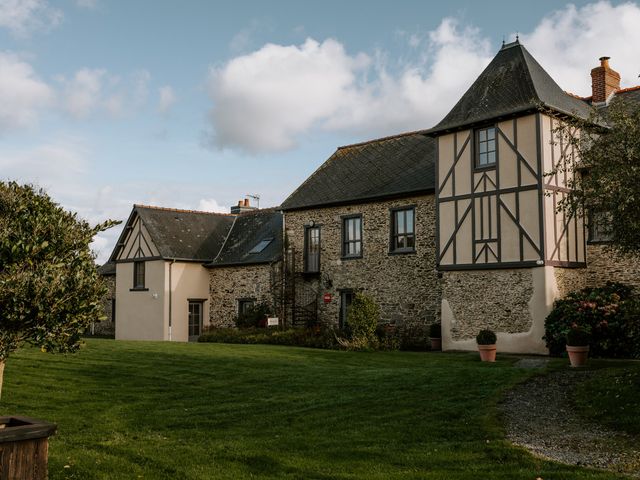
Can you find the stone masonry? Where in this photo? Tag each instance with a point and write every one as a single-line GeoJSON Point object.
{"type": "Point", "coordinates": [106, 327]}
{"type": "Point", "coordinates": [495, 299]}
{"type": "Point", "coordinates": [604, 265]}
{"type": "Point", "coordinates": [227, 285]}
{"type": "Point", "coordinates": [405, 286]}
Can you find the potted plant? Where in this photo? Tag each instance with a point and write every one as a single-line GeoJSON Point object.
{"type": "Point", "coordinates": [486, 340]}
{"type": "Point", "coordinates": [435, 335]}
{"type": "Point", "coordinates": [578, 346]}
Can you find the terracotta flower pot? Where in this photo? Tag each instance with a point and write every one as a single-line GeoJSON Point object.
{"type": "Point", "coordinates": [487, 352]}
{"type": "Point", "coordinates": [578, 355]}
{"type": "Point", "coordinates": [436, 343]}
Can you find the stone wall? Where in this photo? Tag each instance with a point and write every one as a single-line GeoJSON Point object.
{"type": "Point", "coordinates": [106, 327]}
{"type": "Point", "coordinates": [227, 285]}
{"type": "Point", "coordinates": [570, 280]}
{"type": "Point", "coordinates": [405, 286]}
{"type": "Point", "coordinates": [495, 299]}
{"type": "Point", "coordinates": [603, 266]}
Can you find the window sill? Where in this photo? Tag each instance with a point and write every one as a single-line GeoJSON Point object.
{"type": "Point", "coordinates": [403, 252]}
{"type": "Point", "coordinates": [481, 168]}
{"type": "Point", "coordinates": [138, 289]}
{"type": "Point", "coordinates": [351, 257]}
{"type": "Point", "coordinates": [311, 274]}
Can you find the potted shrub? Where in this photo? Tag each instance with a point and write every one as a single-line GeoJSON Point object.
{"type": "Point", "coordinates": [578, 346]}
{"type": "Point", "coordinates": [435, 335]}
{"type": "Point", "coordinates": [486, 340]}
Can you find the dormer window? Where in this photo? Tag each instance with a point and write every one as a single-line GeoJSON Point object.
{"type": "Point", "coordinates": [486, 147]}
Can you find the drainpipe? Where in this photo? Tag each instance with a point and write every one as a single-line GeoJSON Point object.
{"type": "Point", "coordinates": [170, 292]}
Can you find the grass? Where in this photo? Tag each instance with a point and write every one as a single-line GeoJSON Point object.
{"type": "Point", "coordinates": [203, 411]}
{"type": "Point", "coordinates": [612, 397]}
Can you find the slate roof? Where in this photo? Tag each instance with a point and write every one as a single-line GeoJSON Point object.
{"type": "Point", "coordinates": [108, 268]}
{"type": "Point", "coordinates": [248, 230]}
{"type": "Point", "coordinates": [514, 82]}
{"type": "Point", "coordinates": [386, 167]}
{"type": "Point", "coordinates": [185, 234]}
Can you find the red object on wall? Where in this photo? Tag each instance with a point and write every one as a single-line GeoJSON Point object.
{"type": "Point", "coordinates": [327, 298]}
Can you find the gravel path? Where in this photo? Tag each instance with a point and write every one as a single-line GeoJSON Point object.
{"type": "Point", "coordinates": [539, 415]}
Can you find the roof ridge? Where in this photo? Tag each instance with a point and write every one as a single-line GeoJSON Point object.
{"type": "Point", "coordinates": [389, 137]}
{"type": "Point", "coordinates": [628, 89]}
{"type": "Point", "coordinates": [180, 210]}
{"type": "Point", "coordinates": [575, 95]}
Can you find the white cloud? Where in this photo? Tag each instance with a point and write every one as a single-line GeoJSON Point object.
{"type": "Point", "coordinates": [569, 41]}
{"type": "Point", "coordinates": [264, 100]}
{"type": "Point", "coordinates": [22, 93]}
{"type": "Point", "coordinates": [94, 90]}
{"type": "Point", "coordinates": [21, 17]}
{"type": "Point", "coordinates": [167, 98]}
{"type": "Point", "coordinates": [211, 205]}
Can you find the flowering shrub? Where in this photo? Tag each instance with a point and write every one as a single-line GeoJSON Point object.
{"type": "Point", "coordinates": [610, 315]}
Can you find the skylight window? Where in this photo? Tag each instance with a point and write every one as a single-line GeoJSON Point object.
{"type": "Point", "coordinates": [262, 244]}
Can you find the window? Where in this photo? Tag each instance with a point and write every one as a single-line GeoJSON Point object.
{"type": "Point", "coordinates": [262, 244]}
{"type": "Point", "coordinates": [486, 147]}
{"type": "Point", "coordinates": [352, 236]}
{"type": "Point", "coordinates": [312, 250]}
{"type": "Point", "coordinates": [245, 305]}
{"type": "Point", "coordinates": [599, 227]}
{"type": "Point", "coordinates": [195, 318]}
{"type": "Point", "coordinates": [346, 299]}
{"type": "Point", "coordinates": [138, 275]}
{"type": "Point", "coordinates": [403, 233]}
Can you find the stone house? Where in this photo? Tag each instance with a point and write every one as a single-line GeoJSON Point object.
{"type": "Point", "coordinates": [248, 268]}
{"type": "Point", "coordinates": [365, 222]}
{"type": "Point", "coordinates": [456, 223]}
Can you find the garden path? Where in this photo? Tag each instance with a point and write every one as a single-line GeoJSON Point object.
{"type": "Point", "coordinates": [540, 416]}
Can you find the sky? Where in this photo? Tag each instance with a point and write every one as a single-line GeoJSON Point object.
{"type": "Point", "coordinates": [195, 104]}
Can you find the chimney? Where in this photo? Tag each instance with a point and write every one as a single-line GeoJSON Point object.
{"type": "Point", "coordinates": [243, 206]}
{"type": "Point", "coordinates": [604, 81]}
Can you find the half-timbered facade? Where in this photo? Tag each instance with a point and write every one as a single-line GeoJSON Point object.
{"type": "Point", "coordinates": [501, 237]}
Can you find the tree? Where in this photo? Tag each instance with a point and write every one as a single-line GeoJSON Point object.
{"type": "Point", "coordinates": [606, 187]}
{"type": "Point", "coordinates": [50, 290]}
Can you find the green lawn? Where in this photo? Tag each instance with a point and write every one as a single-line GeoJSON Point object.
{"type": "Point", "coordinates": [202, 411]}
{"type": "Point", "coordinates": [612, 397]}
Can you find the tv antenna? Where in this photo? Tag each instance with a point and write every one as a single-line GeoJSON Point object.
{"type": "Point", "coordinates": [255, 197]}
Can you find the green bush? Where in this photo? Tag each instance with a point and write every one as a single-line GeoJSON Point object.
{"type": "Point", "coordinates": [486, 337]}
{"type": "Point", "coordinates": [610, 314]}
{"type": "Point", "coordinates": [296, 337]}
{"type": "Point", "coordinates": [388, 337]}
{"type": "Point", "coordinates": [363, 317]}
{"type": "Point", "coordinates": [254, 316]}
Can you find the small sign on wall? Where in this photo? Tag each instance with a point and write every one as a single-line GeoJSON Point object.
{"type": "Point", "coordinates": [273, 322]}
{"type": "Point", "coordinates": [326, 298]}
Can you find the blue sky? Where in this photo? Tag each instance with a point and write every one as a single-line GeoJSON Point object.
{"type": "Point", "coordinates": [195, 104]}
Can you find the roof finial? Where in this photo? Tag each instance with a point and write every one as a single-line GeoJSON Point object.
{"type": "Point", "coordinates": [517, 37]}
{"type": "Point", "coordinates": [503, 41]}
